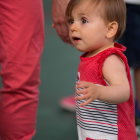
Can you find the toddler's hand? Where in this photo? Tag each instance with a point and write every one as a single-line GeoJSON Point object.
{"type": "Point", "coordinates": [89, 92]}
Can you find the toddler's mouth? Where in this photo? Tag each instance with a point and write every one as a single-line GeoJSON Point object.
{"type": "Point", "coordinates": [76, 39]}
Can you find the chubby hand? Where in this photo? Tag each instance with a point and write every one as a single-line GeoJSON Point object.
{"type": "Point", "coordinates": [89, 91]}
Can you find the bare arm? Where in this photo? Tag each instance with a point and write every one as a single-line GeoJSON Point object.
{"type": "Point", "coordinates": [115, 73]}
{"type": "Point", "coordinates": [58, 11]}
{"type": "Point", "coordinates": [118, 90]}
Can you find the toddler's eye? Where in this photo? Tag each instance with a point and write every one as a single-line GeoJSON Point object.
{"type": "Point", "coordinates": [84, 21]}
{"type": "Point", "coordinates": [71, 21]}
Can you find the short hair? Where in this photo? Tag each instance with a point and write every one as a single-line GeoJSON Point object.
{"type": "Point", "coordinates": [114, 10]}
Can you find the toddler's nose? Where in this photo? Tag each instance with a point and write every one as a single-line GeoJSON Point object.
{"type": "Point", "coordinates": [73, 28]}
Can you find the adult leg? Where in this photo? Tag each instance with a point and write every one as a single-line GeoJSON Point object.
{"type": "Point", "coordinates": [21, 45]}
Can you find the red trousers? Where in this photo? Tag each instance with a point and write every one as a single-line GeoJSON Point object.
{"type": "Point", "coordinates": [21, 46]}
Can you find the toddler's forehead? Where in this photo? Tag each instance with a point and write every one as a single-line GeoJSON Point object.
{"type": "Point", "coordinates": [87, 7]}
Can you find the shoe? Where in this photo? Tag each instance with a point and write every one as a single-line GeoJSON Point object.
{"type": "Point", "coordinates": [68, 103]}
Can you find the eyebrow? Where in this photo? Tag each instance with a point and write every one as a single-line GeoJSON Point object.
{"type": "Point", "coordinates": [83, 14]}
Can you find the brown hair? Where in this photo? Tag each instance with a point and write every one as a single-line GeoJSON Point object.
{"type": "Point", "coordinates": [114, 10]}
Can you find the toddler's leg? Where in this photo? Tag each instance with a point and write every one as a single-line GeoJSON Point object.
{"type": "Point", "coordinates": [21, 45]}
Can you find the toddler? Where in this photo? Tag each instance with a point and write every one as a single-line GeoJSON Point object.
{"type": "Point", "coordinates": [104, 96]}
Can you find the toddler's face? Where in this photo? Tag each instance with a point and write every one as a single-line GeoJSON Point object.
{"type": "Point", "coordinates": [87, 29]}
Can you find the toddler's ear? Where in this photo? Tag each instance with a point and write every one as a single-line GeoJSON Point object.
{"type": "Point", "coordinates": [112, 29]}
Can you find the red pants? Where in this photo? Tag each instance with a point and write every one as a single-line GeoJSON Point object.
{"type": "Point", "coordinates": [21, 46]}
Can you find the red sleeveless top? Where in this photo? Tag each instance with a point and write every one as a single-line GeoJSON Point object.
{"type": "Point", "coordinates": [100, 119]}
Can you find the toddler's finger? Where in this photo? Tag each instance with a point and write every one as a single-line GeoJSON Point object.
{"type": "Point", "coordinates": [82, 84]}
{"type": "Point", "coordinates": [81, 91]}
{"type": "Point", "coordinates": [82, 97]}
{"type": "Point", "coordinates": [85, 103]}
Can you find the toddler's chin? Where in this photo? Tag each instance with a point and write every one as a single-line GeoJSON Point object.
{"type": "Point", "coordinates": [79, 49]}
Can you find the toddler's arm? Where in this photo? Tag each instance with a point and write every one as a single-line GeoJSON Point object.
{"type": "Point", "coordinates": [118, 91]}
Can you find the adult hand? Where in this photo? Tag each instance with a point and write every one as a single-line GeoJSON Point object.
{"type": "Point", "coordinates": [59, 23]}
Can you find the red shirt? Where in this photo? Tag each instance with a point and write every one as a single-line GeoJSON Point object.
{"type": "Point", "coordinates": [101, 120]}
